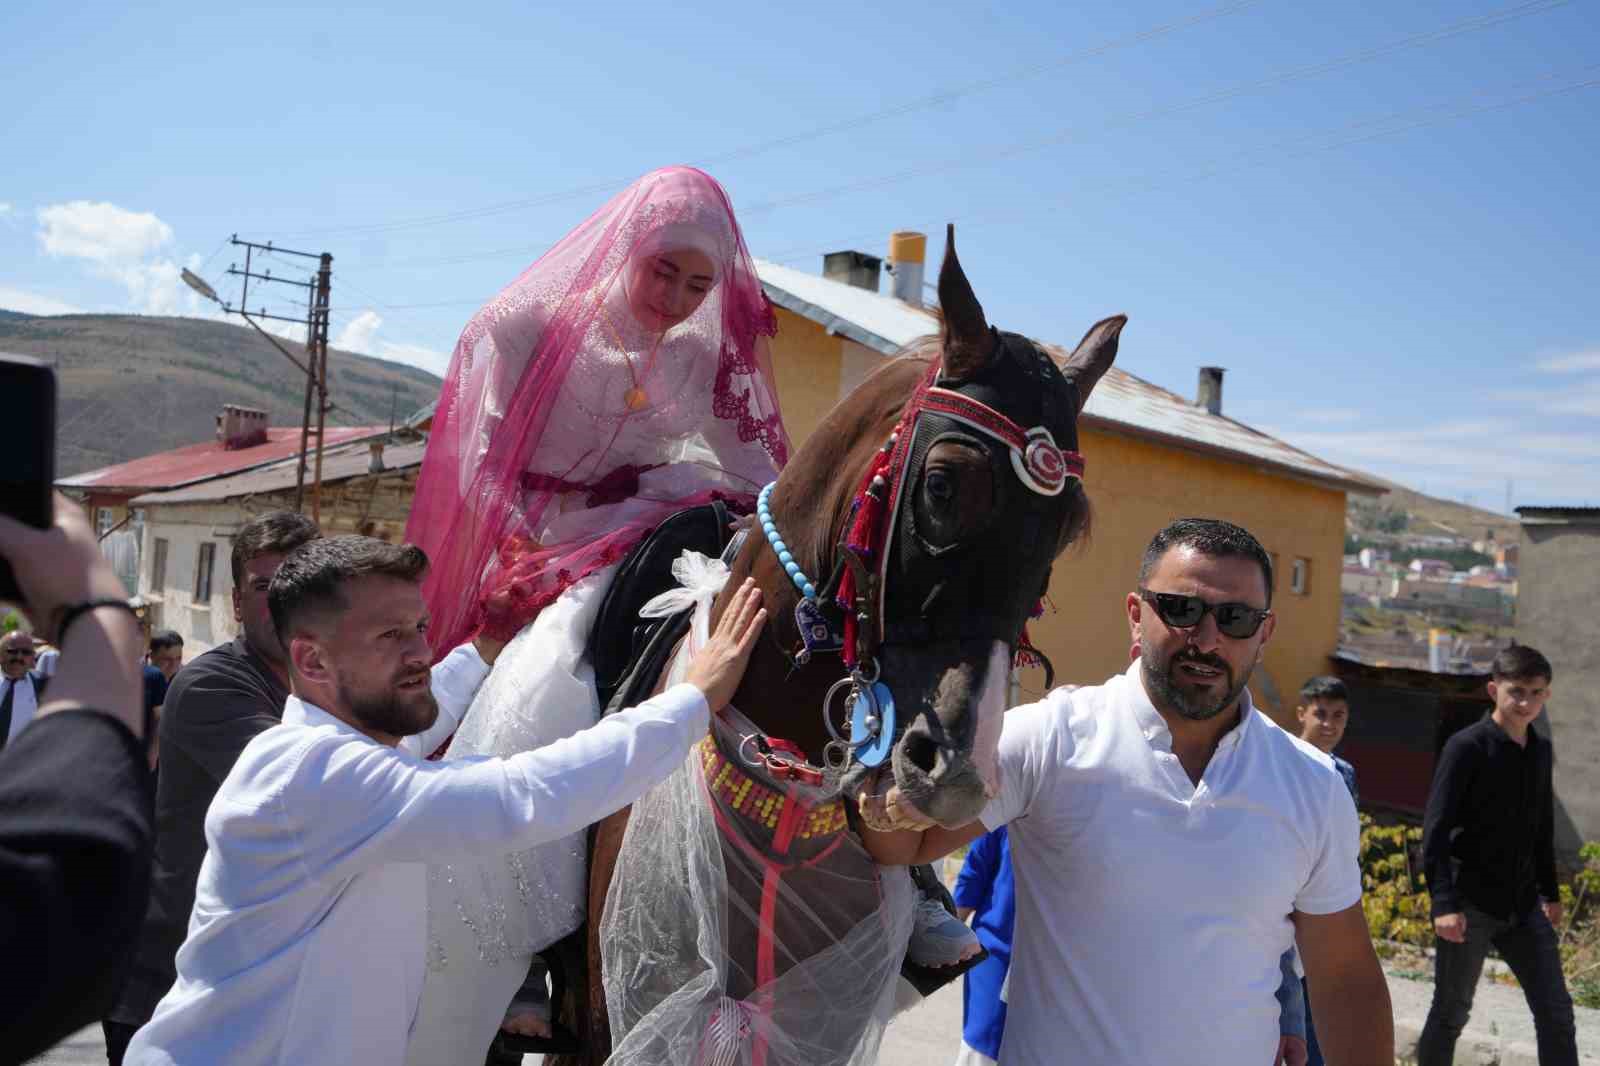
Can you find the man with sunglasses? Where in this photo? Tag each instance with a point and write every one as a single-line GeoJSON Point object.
{"type": "Point", "coordinates": [1169, 842]}
{"type": "Point", "coordinates": [21, 688]}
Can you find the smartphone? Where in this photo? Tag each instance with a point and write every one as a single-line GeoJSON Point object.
{"type": "Point", "coordinates": [27, 480]}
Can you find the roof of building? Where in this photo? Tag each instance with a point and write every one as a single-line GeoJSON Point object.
{"type": "Point", "coordinates": [353, 459]}
{"type": "Point", "coordinates": [195, 463]}
{"type": "Point", "coordinates": [1558, 514]}
{"type": "Point", "coordinates": [1122, 402]}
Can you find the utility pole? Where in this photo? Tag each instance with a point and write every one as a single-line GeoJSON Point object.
{"type": "Point", "coordinates": [315, 368]}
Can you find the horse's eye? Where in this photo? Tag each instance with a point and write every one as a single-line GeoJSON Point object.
{"type": "Point", "coordinates": [940, 487]}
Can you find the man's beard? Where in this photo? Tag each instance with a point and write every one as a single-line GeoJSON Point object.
{"type": "Point", "coordinates": [1197, 706]}
{"type": "Point", "coordinates": [389, 710]}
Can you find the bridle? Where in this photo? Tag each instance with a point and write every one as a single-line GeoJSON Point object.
{"type": "Point", "coordinates": [858, 583]}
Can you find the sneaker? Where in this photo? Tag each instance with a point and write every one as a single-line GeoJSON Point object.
{"type": "Point", "coordinates": [939, 938]}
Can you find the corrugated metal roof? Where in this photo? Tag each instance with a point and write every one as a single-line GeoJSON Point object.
{"type": "Point", "coordinates": [201, 462]}
{"type": "Point", "coordinates": [1536, 515]}
{"type": "Point", "coordinates": [1121, 402]}
{"type": "Point", "coordinates": [338, 464]}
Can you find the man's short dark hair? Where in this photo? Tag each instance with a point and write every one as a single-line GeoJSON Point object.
{"type": "Point", "coordinates": [163, 639]}
{"type": "Point", "coordinates": [1211, 537]}
{"type": "Point", "coordinates": [310, 581]}
{"type": "Point", "coordinates": [1325, 687]}
{"type": "Point", "coordinates": [276, 532]}
{"type": "Point", "coordinates": [1518, 662]}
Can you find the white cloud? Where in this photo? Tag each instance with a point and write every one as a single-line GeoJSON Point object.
{"type": "Point", "coordinates": [360, 334]}
{"type": "Point", "coordinates": [1588, 359]}
{"type": "Point", "coordinates": [5, 208]}
{"type": "Point", "coordinates": [124, 246]}
{"type": "Point", "coordinates": [32, 303]}
{"type": "Point", "coordinates": [101, 232]}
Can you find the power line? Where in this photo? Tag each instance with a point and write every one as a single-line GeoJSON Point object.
{"type": "Point", "coordinates": [934, 99]}
{"type": "Point", "coordinates": [996, 153]}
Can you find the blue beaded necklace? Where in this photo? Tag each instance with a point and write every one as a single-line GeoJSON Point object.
{"type": "Point", "coordinates": [785, 557]}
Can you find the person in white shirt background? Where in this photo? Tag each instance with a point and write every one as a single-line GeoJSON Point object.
{"type": "Point", "coordinates": [20, 685]}
{"type": "Point", "coordinates": [307, 939]}
{"type": "Point", "coordinates": [1169, 842]}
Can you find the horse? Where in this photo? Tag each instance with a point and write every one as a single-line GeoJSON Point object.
{"type": "Point", "coordinates": [900, 555]}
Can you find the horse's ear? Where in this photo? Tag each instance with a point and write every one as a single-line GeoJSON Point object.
{"type": "Point", "coordinates": [1094, 355]}
{"type": "Point", "coordinates": [967, 345]}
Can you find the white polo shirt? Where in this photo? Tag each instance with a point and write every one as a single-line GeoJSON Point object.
{"type": "Point", "coordinates": [1151, 913]}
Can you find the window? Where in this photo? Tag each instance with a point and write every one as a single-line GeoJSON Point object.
{"type": "Point", "coordinates": [202, 573]}
{"type": "Point", "coordinates": [158, 566]}
{"type": "Point", "coordinates": [103, 521]}
{"type": "Point", "coordinates": [1300, 577]}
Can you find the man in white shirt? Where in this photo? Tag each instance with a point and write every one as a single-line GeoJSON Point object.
{"type": "Point", "coordinates": [20, 686]}
{"type": "Point", "coordinates": [1169, 842]}
{"type": "Point", "coordinates": [306, 943]}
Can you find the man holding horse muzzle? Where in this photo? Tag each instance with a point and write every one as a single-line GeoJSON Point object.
{"type": "Point", "coordinates": [1169, 842]}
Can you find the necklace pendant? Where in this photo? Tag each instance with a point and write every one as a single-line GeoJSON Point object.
{"type": "Point", "coordinates": [636, 398]}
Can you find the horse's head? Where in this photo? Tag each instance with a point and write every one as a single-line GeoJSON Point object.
{"type": "Point", "coordinates": [968, 450]}
{"type": "Point", "coordinates": [979, 517]}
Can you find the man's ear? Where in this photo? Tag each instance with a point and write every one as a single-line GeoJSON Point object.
{"type": "Point", "coordinates": [1494, 690]}
{"type": "Point", "coordinates": [238, 610]}
{"type": "Point", "coordinates": [308, 658]}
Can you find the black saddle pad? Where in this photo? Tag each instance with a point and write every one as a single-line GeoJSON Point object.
{"type": "Point", "coordinates": [620, 636]}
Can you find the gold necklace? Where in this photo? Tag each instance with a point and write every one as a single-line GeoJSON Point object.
{"type": "Point", "coordinates": [635, 398]}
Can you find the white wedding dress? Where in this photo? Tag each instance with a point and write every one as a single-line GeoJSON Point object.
{"type": "Point", "coordinates": [487, 918]}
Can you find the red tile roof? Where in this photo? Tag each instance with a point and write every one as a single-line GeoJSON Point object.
{"type": "Point", "coordinates": [201, 462]}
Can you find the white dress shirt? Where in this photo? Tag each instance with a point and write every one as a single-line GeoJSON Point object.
{"type": "Point", "coordinates": [307, 940]}
{"type": "Point", "coordinates": [1152, 910]}
{"type": "Point", "coordinates": [24, 705]}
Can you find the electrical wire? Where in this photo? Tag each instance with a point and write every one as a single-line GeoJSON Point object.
{"type": "Point", "coordinates": [934, 99]}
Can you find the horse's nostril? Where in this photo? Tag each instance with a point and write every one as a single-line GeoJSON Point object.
{"type": "Point", "coordinates": [922, 751]}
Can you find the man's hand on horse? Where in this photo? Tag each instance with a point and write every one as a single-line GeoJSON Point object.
{"type": "Point", "coordinates": [717, 668]}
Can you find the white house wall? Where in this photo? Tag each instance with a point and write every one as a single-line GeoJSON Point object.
{"type": "Point", "coordinates": [202, 625]}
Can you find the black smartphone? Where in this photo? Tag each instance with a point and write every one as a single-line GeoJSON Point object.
{"type": "Point", "coordinates": [27, 479]}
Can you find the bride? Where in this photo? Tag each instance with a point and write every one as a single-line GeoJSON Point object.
{"type": "Point", "coordinates": [623, 376]}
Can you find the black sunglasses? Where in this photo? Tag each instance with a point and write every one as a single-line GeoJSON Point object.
{"type": "Point", "coordinates": [1237, 620]}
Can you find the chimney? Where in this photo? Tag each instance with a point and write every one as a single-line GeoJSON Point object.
{"type": "Point", "coordinates": [375, 464]}
{"type": "Point", "coordinates": [908, 251]}
{"type": "Point", "coordinates": [1210, 389]}
{"type": "Point", "coordinates": [852, 268]}
{"type": "Point", "coordinates": [241, 427]}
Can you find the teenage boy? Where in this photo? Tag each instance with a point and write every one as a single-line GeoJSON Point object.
{"type": "Point", "coordinates": [1488, 847]}
{"type": "Point", "coordinates": [1323, 713]}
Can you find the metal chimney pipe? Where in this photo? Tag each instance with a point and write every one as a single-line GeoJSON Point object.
{"type": "Point", "coordinates": [1210, 396]}
{"type": "Point", "coordinates": [908, 254]}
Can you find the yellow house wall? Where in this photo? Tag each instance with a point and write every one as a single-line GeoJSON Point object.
{"type": "Point", "coordinates": [807, 362]}
{"type": "Point", "coordinates": [1135, 487]}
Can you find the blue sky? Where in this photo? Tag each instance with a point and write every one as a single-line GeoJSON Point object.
{"type": "Point", "coordinates": [1379, 217]}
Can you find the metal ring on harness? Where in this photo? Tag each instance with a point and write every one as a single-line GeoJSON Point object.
{"type": "Point", "coordinates": [827, 709]}
{"type": "Point", "coordinates": [759, 761]}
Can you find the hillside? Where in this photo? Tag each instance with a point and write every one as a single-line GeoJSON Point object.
{"type": "Point", "coordinates": [1427, 516]}
{"type": "Point", "coordinates": [131, 385]}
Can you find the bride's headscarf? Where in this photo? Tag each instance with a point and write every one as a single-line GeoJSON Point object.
{"type": "Point", "coordinates": [471, 510]}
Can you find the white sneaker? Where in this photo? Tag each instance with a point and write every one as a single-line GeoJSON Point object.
{"type": "Point", "coordinates": [939, 938]}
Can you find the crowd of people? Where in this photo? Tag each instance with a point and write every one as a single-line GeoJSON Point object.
{"type": "Point", "coordinates": [345, 834]}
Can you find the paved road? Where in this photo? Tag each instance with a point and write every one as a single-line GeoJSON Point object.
{"type": "Point", "coordinates": [1500, 1033]}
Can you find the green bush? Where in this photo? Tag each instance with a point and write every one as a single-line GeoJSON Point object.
{"type": "Point", "coordinates": [1399, 910]}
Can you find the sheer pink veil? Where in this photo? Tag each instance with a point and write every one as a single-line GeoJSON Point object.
{"type": "Point", "coordinates": [472, 513]}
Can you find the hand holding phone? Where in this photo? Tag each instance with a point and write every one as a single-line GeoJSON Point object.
{"type": "Point", "coordinates": [28, 411]}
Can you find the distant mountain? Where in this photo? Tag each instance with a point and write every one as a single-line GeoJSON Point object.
{"type": "Point", "coordinates": [1426, 516]}
{"type": "Point", "coordinates": [132, 385]}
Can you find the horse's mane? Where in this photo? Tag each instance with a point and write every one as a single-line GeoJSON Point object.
{"type": "Point", "coordinates": [823, 475]}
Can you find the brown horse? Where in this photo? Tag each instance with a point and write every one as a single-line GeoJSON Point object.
{"type": "Point", "coordinates": [967, 448]}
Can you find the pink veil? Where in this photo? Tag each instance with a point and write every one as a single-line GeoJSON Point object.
{"type": "Point", "coordinates": [474, 512]}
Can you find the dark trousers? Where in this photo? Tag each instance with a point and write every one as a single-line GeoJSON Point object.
{"type": "Point", "coordinates": [1528, 945]}
{"type": "Point", "coordinates": [117, 1036]}
{"type": "Point", "coordinates": [1313, 1049]}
